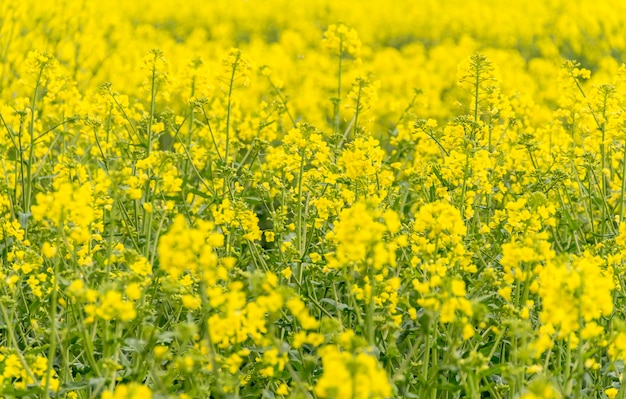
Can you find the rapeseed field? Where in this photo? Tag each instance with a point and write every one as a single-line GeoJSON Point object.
{"type": "Point", "coordinates": [312, 200]}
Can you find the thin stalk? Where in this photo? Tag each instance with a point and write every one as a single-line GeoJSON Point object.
{"type": "Point", "coordinates": [153, 91]}
{"type": "Point", "coordinates": [282, 99]}
{"type": "Point", "coordinates": [369, 316]}
{"type": "Point", "coordinates": [623, 188]}
{"type": "Point", "coordinates": [300, 231]}
{"type": "Point", "coordinates": [337, 108]}
{"type": "Point", "coordinates": [358, 108]}
{"type": "Point", "coordinates": [464, 187]}
{"type": "Point", "coordinates": [229, 108]}
{"type": "Point", "coordinates": [53, 320]}
{"type": "Point", "coordinates": [476, 90]}
{"type": "Point", "coordinates": [31, 152]}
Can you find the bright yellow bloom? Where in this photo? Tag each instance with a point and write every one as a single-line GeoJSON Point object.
{"type": "Point", "coordinates": [129, 391]}
{"type": "Point", "coordinates": [347, 375]}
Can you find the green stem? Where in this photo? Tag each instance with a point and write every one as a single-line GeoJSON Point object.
{"type": "Point", "coordinates": [623, 188]}
{"type": "Point", "coordinates": [53, 321]}
{"type": "Point", "coordinates": [31, 149]}
{"type": "Point", "coordinates": [153, 91]}
{"type": "Point", "coordinates": [229, 107]}
{"type": "Point", "coordinates": [369, 316]}
{"type": "Point", "coordinates": [337, 108]}
{"type": "Point", "coordinates": [300, 230]}
{"type": "Point", "coordinates": [356, 111]}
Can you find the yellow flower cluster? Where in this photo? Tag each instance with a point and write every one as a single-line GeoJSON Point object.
{"type": "Point", "coordinates": [575, 296]}
{"type": "Point", "coordinates": [348, 375]}
{"type": "Point", "coordinates": [184, 250]}
{"type": "Point", "coordinates": [129, 391]}
{"type": "Point", "coordinates": [22, 373]}
{"type": "Point", "coordinates": [342, 40]}
{"type": "Point", "coordinates": [68, 206]}
{"type": "Point", "coordinates": [360, 238]}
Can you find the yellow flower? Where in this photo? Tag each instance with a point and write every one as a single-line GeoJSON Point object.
{"type": "Point", "coordinates": [287, 272]}
{"type": "Point", "coordinates": [48, 250]}
{"type": "Point", "coordinates": [283, 389]}
{"type": "Point", "coordinates": [347, 375]}
{"type": "Point", "coordinates": [141, 266]}
{"type": "Point", "coordinates": [611, 393]}
{"type": "Point", "coordinates": [133, 291]}
{"type": "Point", "coordinates": [160, 351]}
{"type": "Point", "coordinates": [185, 248]}
{"type": "Point", "coordinates": [468, 331]}
{"type": "Point", "coordinates": [341, 40]}
{"type": "Point", "coordinates": [128, 391]}
{"type": "Point", "coordinates": [191, 302]}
